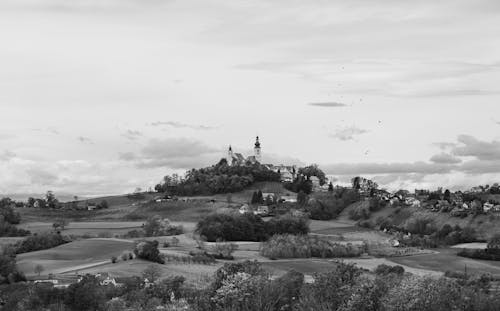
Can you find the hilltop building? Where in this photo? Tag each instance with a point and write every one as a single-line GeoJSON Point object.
{"type": "Point", "coordinates": [238, 159]}
{"type": "Point", "coordinates": [288, 172]}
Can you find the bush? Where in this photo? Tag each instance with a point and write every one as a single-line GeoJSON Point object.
{"type": "Point", "coordinates": [9, 230]}
{"type": "Point", "coordinates": [303, 246]}
{"type": "Point", "coordinates": [360, 212]}
{"type": "Point", "coordinates": [287, 224]}
{"type": "Point", "coordinates": [148, 250]}
{"type": "Point", "coordinates": [224, 250]}
{"type": "Point", "coordinates": [114, 259]}
{"type": "Point", "coordinates": [386, 269]}
{"type": "Point", "coordinates": [156, 226]}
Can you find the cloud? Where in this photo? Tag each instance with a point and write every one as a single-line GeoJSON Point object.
{"type": "Point", "coordinates": [445, 145]}
{"type": "Point", "coordinates": [41, 176]}
{"type": "Point", "coordinates": [85, 140]}
{"type": "Point", "coordinates": [7, 155]}
{"type": "Point", "coordinates": [328, 104]}
{"type": "Point", "coordinates": [132, 135]}
{"type": "Point", "coordinates": [175, 124]}
{"type": "Point", "coordinates": [445, 158]}
{"type": "Point", "coordinates": [127, 156]}
{"type": "Point", "coordinates": [177, 153]}
{"type": "Point", "coordinates": [473, 147]}
{"type": "Point", "coordinates": [354, 169]}
{"type": "Point", "coordinates": [348, 133]}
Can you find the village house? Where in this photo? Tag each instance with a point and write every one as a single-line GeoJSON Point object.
{"type": "Point", "coordinates": [488, 207]}
{"type": "Point", "coordinates": [244, 209]}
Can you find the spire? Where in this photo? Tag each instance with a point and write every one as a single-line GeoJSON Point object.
{"type": "Point", "coordinates": [257, 143]}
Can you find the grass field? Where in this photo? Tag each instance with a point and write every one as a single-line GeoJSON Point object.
{"type": "Point", "coordinates": [446, 259]}
{"type": "Point", "coordinates": [86, 227]}
{"type": "Point", "coordinates": [193, 273]}
{"type": "Point", "coordinates": [74, 255]}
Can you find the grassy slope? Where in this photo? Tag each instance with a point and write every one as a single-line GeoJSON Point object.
{"type": "Point", "coordinates": [68, 256]}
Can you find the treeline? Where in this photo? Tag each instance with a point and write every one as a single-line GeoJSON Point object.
{"type": "Point", "coordinates": [9, 219]}
{"type": "Point", "coordinates": [248, 227]}
{"type": "Point", "coordinates": [247, 286]}
{"type": "Point", "coordinates": [40, 241]}
{"type": "Point", "coordinates": [492, 251]}
{"type": "Point", "coordinates": [304, 246]}
{"type": "Point", "coordinates": [422, 231]}
{"type": "Point", "coordinates": [219, 178]}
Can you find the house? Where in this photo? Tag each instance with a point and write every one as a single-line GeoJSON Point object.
{"type": "Point", "coordinates": [457, 199]}
{"type": "Point", "coordinates": [288, 199]}
{"type": "Point", "coordinates": [487, 207]}
{"type": "Point", "coordinates": [105, 279]}
{"type": "Point", "coordinates": [244, 209]}
{"type": "Point", "coordinates": [91, 206]}
{"type": "Point", "coordinates": [262, 210]}
{"type": "Point", "coordinates": [394, 201]}
{"type": "Point", "coordinates": [411, 201]}
{"type": "Point", "coordinates": [496, 208]}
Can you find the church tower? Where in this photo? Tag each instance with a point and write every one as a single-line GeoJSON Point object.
{"type": "Point", "coordinates": [256, 150]}
{"type": "Point", "coordinates": [230, 155]}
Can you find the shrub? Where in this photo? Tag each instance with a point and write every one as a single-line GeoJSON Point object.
{"type": "Point", "coordinates": [9, 230]}
{"type": "Point", "coordinates": [174, 241]}
{"type": "Point", "coordinates": [287, 224]}
{"type": "Point", "coordinates": [156, 226]}
{"type": "Point", "coordinates": [303, 246]}
{"type": "Point", "coordinates": [360, 212]}
{"type": "Point", "coordinates": [224, 250]}
{"type": "Point", "coordinates": [114, 259]}
{"type": "Point", "coordinates": [386, 269]}
{"type": "Point", "coordinates": [148, 250]}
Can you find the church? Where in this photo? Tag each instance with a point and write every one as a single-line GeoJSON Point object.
{"type": "Point", "coordinates": [238, 159]}
{"type": "Point", "coordinates": [287, 172]}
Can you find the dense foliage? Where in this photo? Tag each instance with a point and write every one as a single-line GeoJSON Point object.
{"type": "Point", "coordinates": [422, 231]}
{"type": "Point", "coordinates": [148, 250]}
{"type": "Point", "coordinates": [8, 269]}
{"type": "Point", "coordinates": [219, 178]}
{"type": "Point", "coordinates": [304, 246]}
{"type": "Point", "coordinates": [247, 227]}
{"type": "Point", "coordinates": [328, 205]}
{"type": "Point", "coordinates": [8, 219]}
{"type": "Point", "coordinates": [157, 226]}
{"type": "Point", "coordinates": [40, 241]}
{"type": "Point", "coordinates": [246, 286]}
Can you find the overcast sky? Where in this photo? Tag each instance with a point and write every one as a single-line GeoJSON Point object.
{"type": "Point", "coordinates": [102, 96]}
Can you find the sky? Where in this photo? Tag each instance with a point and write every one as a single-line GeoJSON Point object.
{"type": "Point", "coordinates": [104, 96]}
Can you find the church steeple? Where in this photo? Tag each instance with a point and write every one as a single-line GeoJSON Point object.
{"type": "Point", "coordinates": [256, 150]}
{"type": "Point", "coordinates": [230, 155]}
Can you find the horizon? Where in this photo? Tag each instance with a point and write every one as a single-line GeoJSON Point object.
{"type": "Point", "coordinates": [102, 97]}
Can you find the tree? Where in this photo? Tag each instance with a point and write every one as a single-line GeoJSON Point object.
{"type": "Point", "coordinates": [447, 195]}
{"type": "Point", "coordinates": [103, 204]}
{"type": "Point", "coordinates": [301, 198]}
{"type": "Point", "coordinates": [330, 187]}
{"type": "Point", "coordinates": [152, 273]}
{"type": "Point", "coordinates": [39, 269]}
{"type": "Point", "coordinates": [85, 295]}
{"type": "Point", "coordinates": [51, 199]}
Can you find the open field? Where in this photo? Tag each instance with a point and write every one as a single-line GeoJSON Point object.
{"type": "Point", "coordinates": [194, 273]}
{"type": "Point", "coordinates": [446, 259]}
{"type": "Point", "coordinates": [85, 227]}
{"type": "Point", "coordinates": [72, 256]}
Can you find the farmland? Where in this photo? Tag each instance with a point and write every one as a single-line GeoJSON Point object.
{"type": "Point", "coordinates": [89, 254]}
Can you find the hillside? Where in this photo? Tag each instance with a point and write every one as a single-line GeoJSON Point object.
{"type": "Point", "coordinates": [485, 225]}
